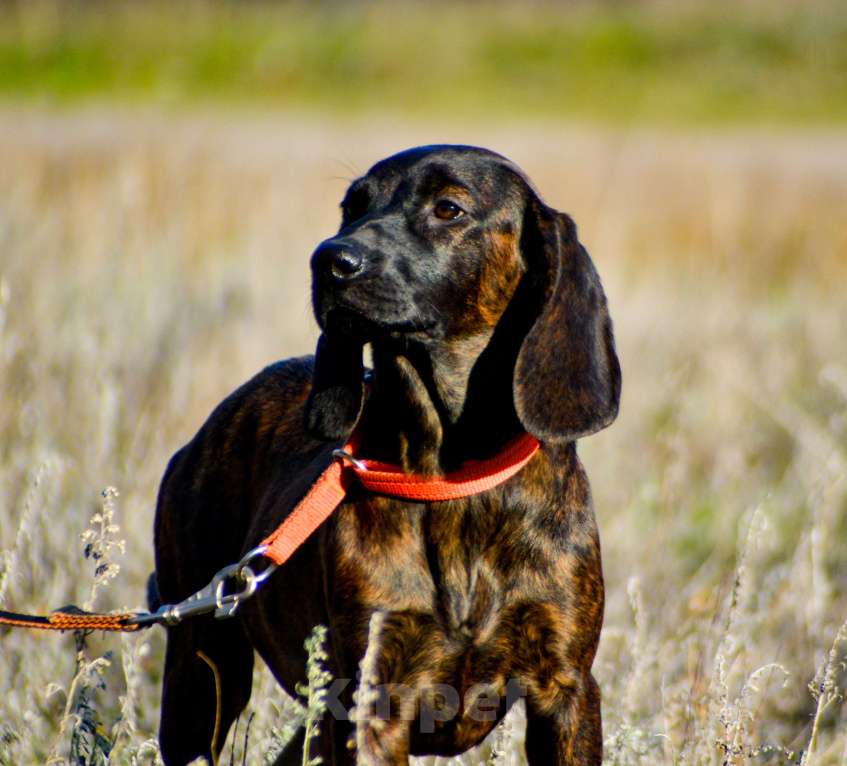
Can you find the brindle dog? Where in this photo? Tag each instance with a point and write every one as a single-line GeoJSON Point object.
{"type": "Point", "coordinates": [486, 319]}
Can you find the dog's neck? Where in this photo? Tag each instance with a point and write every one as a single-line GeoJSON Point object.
{"type": "Point", "coordinates": [436, 404]}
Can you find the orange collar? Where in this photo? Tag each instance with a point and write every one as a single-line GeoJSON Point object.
{"type": "Point", "coordinates": [328, 492]}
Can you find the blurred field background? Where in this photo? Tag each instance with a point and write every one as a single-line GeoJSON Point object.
{"type": "Point", "coordinates": [165, 172]}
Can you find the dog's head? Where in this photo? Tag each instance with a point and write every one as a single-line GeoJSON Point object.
{"type": "Point", "coordinates": [435, 244]}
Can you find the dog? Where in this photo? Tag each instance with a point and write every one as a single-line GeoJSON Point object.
{"type": "Point", "coordinates": [486, 320]}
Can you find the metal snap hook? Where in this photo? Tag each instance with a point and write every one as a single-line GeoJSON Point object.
{"type": "Point", "coordinates": [344, 456]}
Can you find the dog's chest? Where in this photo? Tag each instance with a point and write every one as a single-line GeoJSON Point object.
{"type": "Point", "coordinates": [455, 561]}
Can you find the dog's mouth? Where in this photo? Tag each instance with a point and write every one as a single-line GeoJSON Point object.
{"type": "Point", "coordinates": [349, 323]}
{"type": "Point", "coordinates": [355, 325]}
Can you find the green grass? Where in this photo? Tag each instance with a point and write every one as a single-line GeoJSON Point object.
{"type": "Point", "coordinates": [673, 64]}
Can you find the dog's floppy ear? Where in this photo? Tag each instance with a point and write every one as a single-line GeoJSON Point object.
{"type": "Point", "coordinates": [338, 388]}
{"type": "Point", "coordinates": [567, 381]}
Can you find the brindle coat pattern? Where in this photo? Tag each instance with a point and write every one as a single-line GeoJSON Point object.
{"type": "Point", "coordinates": [482, 325]}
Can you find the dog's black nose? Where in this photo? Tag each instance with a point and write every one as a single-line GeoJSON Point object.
{"type": "Point", "coordinates": [337, 260]}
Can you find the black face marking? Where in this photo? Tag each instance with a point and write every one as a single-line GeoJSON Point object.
{"type": "Point", "coordinates": [418, 223]}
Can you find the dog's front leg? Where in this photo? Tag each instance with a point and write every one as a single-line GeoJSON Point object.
{"type": "Point", "coordinates": [382, 743]}
{"type": "Point", "coordinates": [382, 718]}
{"type": "Point", "coordinates": [568, 733]}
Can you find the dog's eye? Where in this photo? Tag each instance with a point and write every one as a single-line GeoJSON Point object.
{"type": "Point", "coordinates": [447, 211]}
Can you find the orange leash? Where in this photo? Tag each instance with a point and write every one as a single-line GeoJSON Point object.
{"type": "Point", "coordinates": [72, 619]}
{"type": "Point", "coordinates": [238, 582]}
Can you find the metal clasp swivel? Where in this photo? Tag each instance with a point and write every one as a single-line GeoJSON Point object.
{"type": "Point", "coordinates": [225, 592]}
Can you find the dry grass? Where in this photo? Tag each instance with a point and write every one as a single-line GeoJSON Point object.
{"type": "Point", "coordinates": [148, 266]}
